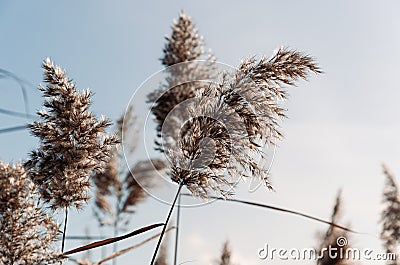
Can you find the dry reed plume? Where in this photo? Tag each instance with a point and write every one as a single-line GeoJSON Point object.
{"type": "Point", "coordinates": [217, 129]}
{"type": "Point", "coordinates": [390, 234]}
{"type": "Point", "coordinates": [231, 121]}
{"type": "Point", "coordinates": [226, 255]}
{"type": "Point", "coordinates": [27, 233]}
{"type": "Point", "coordinates": [73, 143]}
{"type": "Point", "coordinates": [185, 73]}
{"type": "Point", "coordinates": [214, 131]}
{"type": "Point", "coordinates": [118, 189]}
{"type": "Point", "coordinates": [331, 240]}
{"type": "Point", "coordinates": [117, 184]}
{"type": "Point", "coordinates": [109, 183]}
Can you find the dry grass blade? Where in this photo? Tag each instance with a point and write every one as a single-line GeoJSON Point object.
{"type": "Point", "coordinates": [84, 237]}
{"type": "Point", "coordinates": [274, 208]}
{"type": "Point", "coordinates": [16, 114]}
{"type": "Point", "coordinates": [295, 213]}
{"type": "Point", "coordinates": [13, 129]}
{"type": "Point", "coordinates": [112, 240]}
{"type": "Point", "coordinates": [121, 252]}
{"type": "Point", "coordinates": [22, 84]}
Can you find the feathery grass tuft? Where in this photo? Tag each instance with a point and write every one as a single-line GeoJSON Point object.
{"type": "Point", "coordinates": [230, 123]}
{"type": "Point", "coordinates": [73, 142]}
{"type": "Point", "coordinates": [226, 255]}
{"type": "Point", "coordinates": [27, 233]}
{"type": "Point", "coordinates": [331, 240]}
{"type": "Point", "coordinates": [390, 234]}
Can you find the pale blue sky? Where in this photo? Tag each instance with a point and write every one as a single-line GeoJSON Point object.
{"type": "Point", "coordinates": [342, 125]}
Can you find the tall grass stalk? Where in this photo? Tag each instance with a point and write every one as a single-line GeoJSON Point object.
{"type": "Point", "coordinates": [166, 224]}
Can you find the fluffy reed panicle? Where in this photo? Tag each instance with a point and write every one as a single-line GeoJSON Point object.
{"type": "Point", "coordinates": [256, 89]}
{"type": "Point", "coordinates": [226, 254]}
{"type": "Point", "coordinates": [230, 122]}
{"type": "Point", "coordinates": [185, 73]}
{"type": "Point", "coordinates": [390, 234]}
{"type": "Point", "coordinates": [107, 180]}
{"type": "Point", "coordinates": [117, 184]}
{"type": "Point", "coordinates": [73, 143]}
{"type": "Point", "coordinates": [331, 239]}
{"type": "Point", "coordinates": [185, 44]}
{"type": "Point", "coordinates": [27, 233]}
{"type": "Point", "coordinates": [212, 130]}
{"type": "Point", "coordinates": [108, 183]}
{"type": "Point", "coordinates": [141, 177]}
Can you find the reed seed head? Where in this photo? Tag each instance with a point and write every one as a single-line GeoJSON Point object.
{"type": "Point", "coordinates": [390, 234]}
{"type": "Point", "coordinates": [219, 136]}
{"type": "Point", "coordinates": [27, 233]}
{"type": "Point", "coordinates": [73, 142]}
